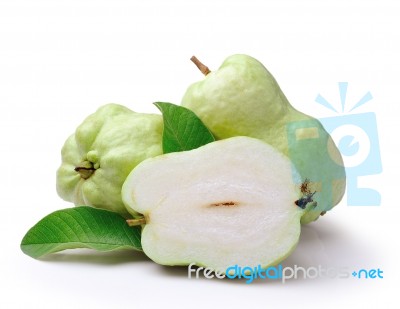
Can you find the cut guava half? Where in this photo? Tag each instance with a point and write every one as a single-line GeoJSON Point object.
{"type": "Point", "coordinates": [230, 202]}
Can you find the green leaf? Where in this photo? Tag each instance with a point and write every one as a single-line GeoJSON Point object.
{"type": "Point", "coordinates": [183, 130]}
{"type": "Point", "coordinates": [80, 227]}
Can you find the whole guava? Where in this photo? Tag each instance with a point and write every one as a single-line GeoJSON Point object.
{"type": "Point", "coordinates": [242, 98]}
{"type": "Point", "coordinates": [101, 153]}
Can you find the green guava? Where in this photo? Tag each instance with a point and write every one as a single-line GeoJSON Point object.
{"type": "Point", "coordinates": [243, 98]}
{"type": "Point", "coordinates": [231, 202]}
{"type": "Point", "coordinates": [101, 153]}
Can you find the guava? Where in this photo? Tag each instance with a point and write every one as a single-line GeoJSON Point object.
{"type": "Point", "coordinates": [243, 98]}
{"type": "Point", "coordinates": [233, 201]}
{"type": "Point", "coordinates": [104, 149]}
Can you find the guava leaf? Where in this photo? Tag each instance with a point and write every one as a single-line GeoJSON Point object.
{"type": "Point", "coordinates": [183, 130]}
{"type": "Point", "coordinates": [80, 227]}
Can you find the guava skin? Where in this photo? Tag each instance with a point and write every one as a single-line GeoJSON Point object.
{"type": "Point", "coordinates": [101, 153]}
{"type": "Point", "coordinates": [243, 98]}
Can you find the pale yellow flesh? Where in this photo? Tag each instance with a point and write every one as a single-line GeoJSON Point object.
{"type": "Point", "coordinates": [226, 203]}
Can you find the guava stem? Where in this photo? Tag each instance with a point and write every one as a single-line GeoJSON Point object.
{"type": "Point", "coordinates": [85, 172]}
{"type": "Point", "coordinates": [136, 222]}
{"type": "Point", "coordinates": [203, 69]}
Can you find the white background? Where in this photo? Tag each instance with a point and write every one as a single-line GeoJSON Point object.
{"type": "Point", "coordinates": [60, 60]}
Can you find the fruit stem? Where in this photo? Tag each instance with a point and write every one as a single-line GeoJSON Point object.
{"type": "Point", "coordinates": [136, 222]}
{"type": "Point", "coordinates": [85, 172]}
{"type": "Point", "coordinates": [203, 69]}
